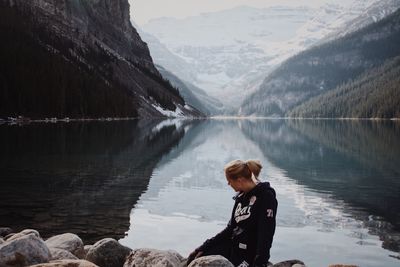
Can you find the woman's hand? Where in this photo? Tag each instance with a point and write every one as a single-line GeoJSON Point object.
{"type": "Point", "coordinates": [258, 262]}
{"type": "Point", "coordinates": [194, 255]}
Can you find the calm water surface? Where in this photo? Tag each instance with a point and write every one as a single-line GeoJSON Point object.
{"type": "Point", "coordinates": [160, 184]}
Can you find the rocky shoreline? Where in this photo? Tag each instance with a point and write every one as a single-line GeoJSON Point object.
{"type": "Point", "coordinates": [27, 248]}
{"type": "Point", "coordinates": [20, 120]}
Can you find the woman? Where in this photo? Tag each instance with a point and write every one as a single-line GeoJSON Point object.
{"type": "Point", "coordinates": [247, 239]}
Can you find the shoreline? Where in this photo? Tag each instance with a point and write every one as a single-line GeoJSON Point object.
{"type": "Point", "coordinates": [297, 118]}
{"type": "Point", "coordinates": [28, 248]}
{"type": "Point", "coordinates": [24, 120]}
{"type": "Point", "coordinates": [27, 121]}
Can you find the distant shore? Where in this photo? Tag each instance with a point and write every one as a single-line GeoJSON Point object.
{"type": "Point", "coordinates": [25, 120]}
{"type": "Point", "coordinates": [296, 118]}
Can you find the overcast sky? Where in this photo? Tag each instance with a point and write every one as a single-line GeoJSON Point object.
{"type": "Point", "coordinates": [144, 10]}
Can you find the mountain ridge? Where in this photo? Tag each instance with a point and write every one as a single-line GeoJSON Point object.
{"type": "Point", "coordinates": [88, 41]}
{"type": "Point", "coordinates": [324, 67]}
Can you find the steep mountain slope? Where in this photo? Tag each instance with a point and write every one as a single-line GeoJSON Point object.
{"type": "Point", "coordinates": [322, 68]}
{"type": "Point", "coordinates": [375, 12]}
{"type": "Point", "coordinates": [193, 95]}
{"type": "Point", "coordinates": [78, 58]}
{"type": "Point", "coordinates": [162, 56]}
{"type": "Point", "coordinates": [375, 94]}
{"type": "Point", "coordinates": [165, 60]}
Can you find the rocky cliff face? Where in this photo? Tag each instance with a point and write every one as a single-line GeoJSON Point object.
{"type": "Point", "coordinates": [97, 35]}
{"type": "Point", "coordinates": [104, 21]}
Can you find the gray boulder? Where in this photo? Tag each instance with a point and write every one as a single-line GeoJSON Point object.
{"type": "Point", "coordinates": [67, 263]}
{"type": "Point", "coordinates": [8, 236]}
{"type": "Point", "coordinates": [61, 254]}
{"type": "Point", "coordinates": [23, 251]}
{"type": "Point", "coordinates": [108, 252]}
{"type": "Point", "coordinates": [5, 231]}
{"type": "Point", "coordinates": [69, 242]}
{"type": "Point", "coordinates": [156, 258]}
{"type": "Point", "coordinates": [86, 249]}
{"type": "Point", "coordinates": [211, 261]}
{"type": "Point", "coordinates": [1, 241]}
{"type": "Point", "coordinates": [25, 232]}
{"type": "Point", "coordinates": [289, 263]}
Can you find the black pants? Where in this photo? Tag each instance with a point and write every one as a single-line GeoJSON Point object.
{"type": "Point", "coordinates": [226, 250]}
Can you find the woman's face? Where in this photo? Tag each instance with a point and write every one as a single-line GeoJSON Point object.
{"type": "Point", "coordinates": [236, 184]}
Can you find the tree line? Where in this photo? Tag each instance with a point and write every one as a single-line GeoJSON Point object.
{"type": "Point", "coordinates": [374, 94]}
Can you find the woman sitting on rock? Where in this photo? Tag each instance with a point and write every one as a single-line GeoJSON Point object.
{"type": "Point", "coordinates": [247, 239]}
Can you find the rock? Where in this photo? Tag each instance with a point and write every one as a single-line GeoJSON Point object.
{"type": "Point", "coordinates": [86, 248]}
{"type": "Point", "coordinates": [30, 231]}
{"type": "Point", "coordinates": [9, 235]}
{"type": "Point", "coordinates": [1, 241]}
{"type": "Point", "coordinates": [25, 232]}
{"type": "Point", "coordinates": [289, 263]}
{"type": "Point", "coordinates": [61, 254]}
{"type": "Point", "coordinates": [69, 242]}
{"type": "Point", "coordinates": [108, 252]}
{"type": "Point", "coordinates": [5, 231]}
{"type": "Point", "coordinates": [211, 261]}
{"type": "Point", "coordinates": [23, 251]}
{"type": "Point", "coordinates": [67, 263]}
{"type": "Point", "coordinates": [152, 257]}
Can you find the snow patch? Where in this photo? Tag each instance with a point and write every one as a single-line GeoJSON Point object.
{"type": "Point", "coordinates": [177, 113]}
{"type": "Point", "coordinates": [178, 122]}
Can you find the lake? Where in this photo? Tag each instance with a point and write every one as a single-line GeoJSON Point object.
{"type": "Point", "coordinates": [160, 184]}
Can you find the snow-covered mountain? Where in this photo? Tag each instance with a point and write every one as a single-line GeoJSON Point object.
{"type": "Point", "coordinates": [376, 11]}
{"type": "Point", "coordinates": [165, 58]}
{"type": "Point", "coordinates": [229, 53]}
{"type": "Point", "coordinates": [228, 48]}
{"type": "Point", "coordinates": [183, 73]}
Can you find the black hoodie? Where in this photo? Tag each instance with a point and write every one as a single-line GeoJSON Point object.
{"type": "Point", "coordinates": [251, 228]}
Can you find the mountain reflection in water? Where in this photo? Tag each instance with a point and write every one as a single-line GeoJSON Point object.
{"type": "Point", "coordinates": [357, 162]}
{"type": "Point", "coordinates": [330, 198]}
{"type": "Point", "coordinates": [82, 178]}
{"type": "Point", "coordinates": [161, 184]}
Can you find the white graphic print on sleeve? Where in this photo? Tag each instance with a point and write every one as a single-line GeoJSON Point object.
{"type": "Point", "coordinates": [270, 213]}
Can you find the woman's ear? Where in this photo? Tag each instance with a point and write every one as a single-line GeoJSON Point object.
{"type": "Point", "coordinates": [240, 179]}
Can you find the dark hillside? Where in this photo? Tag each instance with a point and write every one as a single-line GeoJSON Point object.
{"type": "Point", "coordinates": [79, 59]}
{"type": "Point", "coordinates": [38, 81]}
{"type": "Point", "coordinates": [375, 94]}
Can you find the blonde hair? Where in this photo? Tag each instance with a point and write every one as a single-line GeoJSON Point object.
{"type": "Point", "coordinates": [246, 169]}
